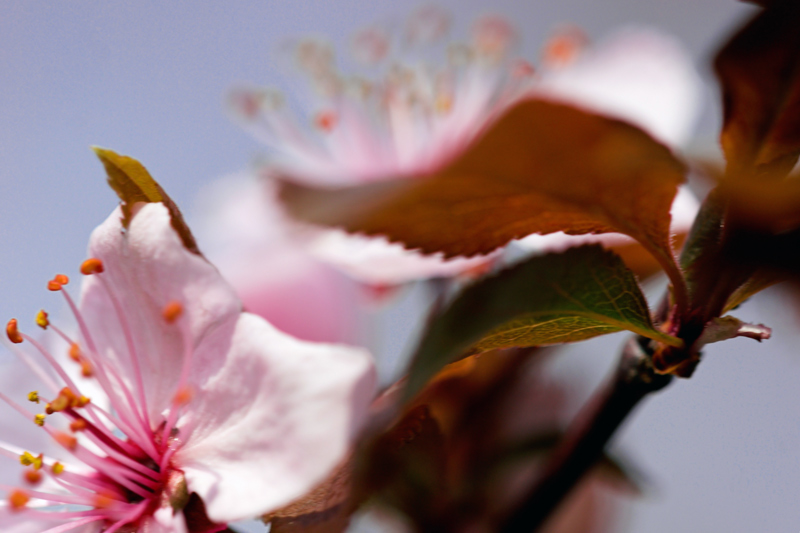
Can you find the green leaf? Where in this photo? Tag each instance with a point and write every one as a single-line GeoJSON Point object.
{"type": "Point", "coordinates": [555, 298]}
{"type": "Point", "coordinates": [133, 184]}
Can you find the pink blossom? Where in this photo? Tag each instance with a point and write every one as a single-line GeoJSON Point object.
{"type": "Point", "coordinates": [196, 398]}
{"type": "Point", "coordinates": [414, 116]}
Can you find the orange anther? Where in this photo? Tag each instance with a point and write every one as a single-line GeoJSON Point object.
{"type": "Point", "coordinates": [75, 352]}
{"type": "Point", "coordinates": [18, 499]}
{"type": "Point", "coordinates": [326, 120]}
{"type": "Point", "coordinates": [172, 311]}
{"type": "Point", "coordinates": [53, 285]}
{"type": "Point", "coordinates": [87, 370]}
{"type": "Point", "coordinates": [83, 401]}
{"type": "Point", "coordinates": [41, 319]}
{"type": "Point", "coordinates": [78, 424]}
{"type": "Point", "coordinates": [183, 396]}
{"type": "Point", "coordinates": [103, 501]}
{"type": "Point", "coordinates": [67, 441]}
{"type": "Point", "coordinates": [66, 399]}
{"type": "Point", "coordinates": [91, 266]}
{"type": "Point", "coordinates": [13, 332]}
{"type": "Point", "coordinates": [32, 476]}
{"type": "Point", "coordinates": [61, 279]}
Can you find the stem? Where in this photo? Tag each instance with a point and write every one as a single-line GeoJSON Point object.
{"type": "Point", "coordinates": [586, 439]}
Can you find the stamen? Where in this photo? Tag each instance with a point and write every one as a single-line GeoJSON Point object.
{"type": "Point", "coordinates": [183, 396]}
{"type": "Point", "coordinates": [67, 441]}
{"type": "Point", "coordinates": [39, 419]}
{"type": "Point", "coordinates": [32, 476]}
{"type": "Point", "coordinates": [75, 352]}
{"type": "Point", "coordinates": [41, 319]}
{"type": "Point", "coordinates": [13, 332]}
{"type": "Point", "coordinates": [326, 121]}
{"type": "Point", "coordinates": [92, 266]}
{"type": "Point", "coordinates": [18, 500]}
{"type": "Point", "coordinates": [172, 311]}
{"type": "Point", "coordinates": [57, 469]}
{"type": "Point", "coordinates": [28, 459]}
{"type": "Point", "coordinates": [78, 425]}
{"type": "Point", "coordinates": [33, 396]}
{"type": "Point", "coordinates": [57, 282]}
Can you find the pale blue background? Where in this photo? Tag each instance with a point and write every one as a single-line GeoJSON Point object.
{"type": "Point", "coordinates": [147, 79]}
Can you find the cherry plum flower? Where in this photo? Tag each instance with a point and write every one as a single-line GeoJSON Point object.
{"type": "Point", "coordinates": [412, 117]}
{"type": "Point", "coordinates": [201, 414]}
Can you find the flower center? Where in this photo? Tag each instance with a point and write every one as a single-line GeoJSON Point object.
{"type": "Point", "coordinates": [123, 470]}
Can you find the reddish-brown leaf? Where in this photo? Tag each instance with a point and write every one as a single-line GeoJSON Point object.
{"type": "Point", "coordinates": [759, 70]}
{"type": "Point", "coordinates": [542, 167]}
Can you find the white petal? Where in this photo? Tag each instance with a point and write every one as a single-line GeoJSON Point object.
{"type": "Point", "coordinates": [147, 267]}
{"type": "Point", "coordinates": [377, 261]}
{"type": "Point", "coordinates": [639, 75]}
{"type": "Point", "coordinates": [272, 423]}
{"type": "Point", "coordinates": [165, 521]}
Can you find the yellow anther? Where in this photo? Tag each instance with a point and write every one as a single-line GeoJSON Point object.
{"type": "Point", "coordinates": [28, 459]}
{"type": "Point", "coordinates": [41, 319]}
{"type": "Point", "coordinates": [39, 419]}
{"type": "Point", "coordinates": [33, 396]}
{"type": "Point", "coordinates": [57, 468]}
{"type": "Point", "coordinates": [83, 401]}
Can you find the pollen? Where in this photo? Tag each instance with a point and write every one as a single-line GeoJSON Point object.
{"type": "Point", "coordinates": [92, 266]}
{"type": "Point", "coordinates": [83, 401]}
{"type": "Point", "coordinates": [33, 477]}
{"type": "Point", "coordinates": [172, 311]}
{"type": "Point", "coordinates": [78, 425]}
{"type": "Point", "coordinates": [18, 500]}
{"type": "Point", "coordinates": [183, 396]}
{"type": "Point", "coordinates": [39, 419]}
{"type": "Point", "coordinates": [28, 459]}
{"type": "Point", "coordinates": [12, 331]}
{"type": "Point", "coordinates": [67, 441]}
{"type": "Point", "coordinates": [57, 468]}
{"type": "Point", "coordinates": [41, 319]}
{"type": "Point", "coordinates": [33, 396]}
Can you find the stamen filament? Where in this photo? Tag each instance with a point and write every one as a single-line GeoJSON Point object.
{"type": "Point", "coordinates": [72, 525]}
{"type": "Point", "coordinates": [126, 330]}
{"type": "Point", "coordinates": [36, 368]}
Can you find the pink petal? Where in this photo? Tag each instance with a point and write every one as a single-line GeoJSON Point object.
{"type": "Point", "coordinates": [242, 230]}
{"type": "Point", "coordinates": [147, 267]}
{"type": "Point", "coordinates": [272, 422]}
{"type": "Point", "coordinates": [639, 75]}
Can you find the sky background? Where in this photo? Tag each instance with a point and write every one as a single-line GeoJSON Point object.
{"type": "Point", "coordinates": [148, 79]}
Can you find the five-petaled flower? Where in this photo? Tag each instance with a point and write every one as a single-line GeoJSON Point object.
{"type": "Point", "coordinates": [199, 414]}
